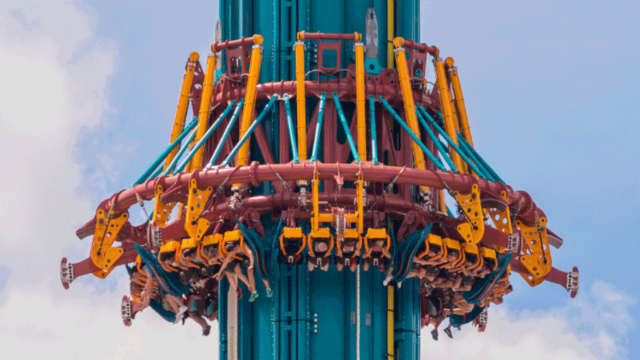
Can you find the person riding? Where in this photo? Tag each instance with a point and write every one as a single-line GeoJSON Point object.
{"type": "Point", "coordinates": [377, 253]}
{"type": "Point", "coordinates": [348, 251]}
{"type": "Point", "coordinates": [320, 247]}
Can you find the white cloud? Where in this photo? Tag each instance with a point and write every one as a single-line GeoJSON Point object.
{"type": "Point", "coordinates": [595, 325]}
{"type": "Point", "coordinates": [55, 74]}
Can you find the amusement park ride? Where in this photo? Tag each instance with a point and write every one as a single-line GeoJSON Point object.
{"type": "Point", "coordinates": [321, 160]}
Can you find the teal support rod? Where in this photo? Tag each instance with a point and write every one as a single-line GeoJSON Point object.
{"type": "Point", "coordinates": [173, 163]}
{"type": "Point", "coordinates": [436, 141]}
{"type": "Point", "coordinates": [343, 120]}
{"type": "Point", "coordinates": [145, 176]}
{"type": "Point", "coordinates": [474, 158]}
{"type": "Point", "coordinates": [292, 136]}
{"type": "Point", "coordinates": [250, 130]}
{"type": "Point", "coordinates": [205, 137]}
{"type": "Point", "coordinates": [412, 135]}
{"type": "Point", "coordinates": [316, 139]}
{"type": "Point", "coordinates": [481, 160]}
{"type": "Point", "coordinates": [226, 133]}
{"type": "Point", "coordinates": [451, 143]}
{"type": "Point", "coordinates": [374, 136]}
{"type": "Point", "coordinates": [450, 213]}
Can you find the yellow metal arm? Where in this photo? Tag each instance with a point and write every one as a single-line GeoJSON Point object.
{"type": "Point", "coordinates": [457, 91]}
{"type": "Point", "coordinates": [473, 230]}
{"type": "Point", "coordinates": [183, 105]}
{"type": "Point", "coordinates": [409, 103]}
{"type": "Point", "coordinates": [447, 111]}
{"type": "Point", "coordinates": [205, 109]}
{"type": "Point", "coordinates": [360, 102]}
{"type": "Point", "coordinates": [250, 99]}
{"type": "Point", "coordinates": [301, 98]}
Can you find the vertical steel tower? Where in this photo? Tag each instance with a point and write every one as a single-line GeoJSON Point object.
{"type": "Point", "coordinates": [319, 164]}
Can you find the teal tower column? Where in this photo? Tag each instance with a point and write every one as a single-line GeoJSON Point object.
{"type": "Point", "coordinates": [315, 315]}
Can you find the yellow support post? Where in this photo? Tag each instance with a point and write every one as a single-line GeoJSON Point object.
{"type": "Point", "coordinates": [390, 33]}
{"type": "Point", "coordinates": [205, 109]}
{"type": "Point", "coordinates": [183, 105]}
{"type": "Point", "coordinates": [360, 102]}
{"type": "Point", "coordinates": [301, 97]}
{"type": "Point", "coordinates": [447, 112]}
{"type": "Point", "coordinates": [360, 203]}
{"type": "Point", "coordinates": [250, 99]}
{"type": "Point", "coordinates": [315, 220]}
{"type": "Point", "coordinates": [457, 91]}
{"type": "Point", "coordinates": [409, 103]}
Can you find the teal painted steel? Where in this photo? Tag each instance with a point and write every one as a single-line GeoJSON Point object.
{"type": "Point", "coordinates": [481, 160]}
{"type": "Point", "coordinates": [226, 133]}
{"type": "Point", "coordinates": [291, 128]}
{"type": "Point", "coordinates": [345, 125]}
{"type": "Point", "coordinates": [173, 163]}
{"type": "Point", "coordinates": [316, 138]}
{"type": "Point", "coordinates": [249, 131]}
{"type": "Point", "coordinates": [146, 175]}
{"type": "Point", "coordinates": [451, 143]}
{"type": "Point", "coordinates": [467, 151]}
{"type": "Point", "coordinates": [374, 136]}
{"type": "Point", "coordinates": [436, 141]}
{"type": "Point", "coordinates": [412, 135]}
{"type": "Point", "coordinates": [205, 137]}
{"type": "Point", "coordinates": [284, 326]}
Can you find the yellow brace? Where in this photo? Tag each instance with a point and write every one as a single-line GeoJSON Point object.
{"type": "Point", "coordinates": [471, 232]}
{"type": "Point", "coordinates": [205, 110]}
{"type": "Point", "coordinates": [301, 98]}
{"type": "Point", "coordinates": [250, 99]}
{"type": "Point", "coordinates": [183, 105]}
{"type": "Point", "coordinates": [447, 111]}
{"type": "Point", "coordinates": [360, 103]}
{"type": "Point", "coordinates": [537, 255]}
{"type": "Point", "coordinates": [161, 211]}
{"type": "Point", "coordinates": [102, 254]}
{"type": "Point", "coordinates": [409, 103]}
{"type": "Point", "coordinates": [195, 206]}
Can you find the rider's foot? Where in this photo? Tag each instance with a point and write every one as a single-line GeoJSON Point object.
{"type": "Point", "coordinates": [254, 296]}
{"type": "Point", "coordinates": [269, 293]}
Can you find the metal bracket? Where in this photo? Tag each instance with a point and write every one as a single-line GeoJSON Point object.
{"type": "Point", "coordinates": [125, 309]}
{"type": "Point", "coordinates": [513, 242]}
{"type": "Point", "coordinates": [66, 273]}
{"type": "Point", "coordinates": [483, 319]}
{"type": "Point", "coordinates": [472, 230]}
{"type": "Point", "coordinates": [573, 281]}
{"type": "Point", "coordinates": [196, 202]}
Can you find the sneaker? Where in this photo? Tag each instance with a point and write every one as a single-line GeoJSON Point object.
{"type": "Point", "coordinates": [254, 296]}
{"type": "Point", "coordinates": [399, 284]}
{"type": "Point", "coordinates": [448, 332]}
{"type": "Point", "coordinates": [387, 280]}
{"type": "Point", "coordinates": [269, 293]}
{"type": "Point", "coordinates": [434, 334]}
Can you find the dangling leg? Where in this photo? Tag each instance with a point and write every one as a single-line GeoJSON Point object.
{"type": "Point", "coordinates": [252, 282]}
{"type": "Point", "coordinates": [240, 275]}
{"type": "Point", "coordinates": [206, 328]}
{"type": "Point", "coordinates": [269, 291]}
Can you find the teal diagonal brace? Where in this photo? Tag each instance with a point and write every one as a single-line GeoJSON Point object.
{"type": "Point", "coordinates": [436, 141]}
{"type": "Point", "coordinates": [374, 136]}
{"type": "Point", "coordinates": [343, 120]}
{"type": "Point", "coordinates": [226, 133]}
{"type": "Point", "coordinates": [205, 137]}
{"type": "Point", "coordinates": [412, 135]}
{"type": "Point", "coordinates": [451, 143]}
{"type": "Point", "coordinates": [250, 131]}
{"type": "Point", "coordinates": [145, 176]}
{"type": "Point", "coordinates": [316, 139]}
{"type": "Point", "coordinates": [292, 136]}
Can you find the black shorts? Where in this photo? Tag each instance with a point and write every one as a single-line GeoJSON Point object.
{"type": "Point", "coordinates": [319, 260]}
{"type": "Point", "coordinates": [431, 270]}
{"type": "Point", "coordinates": [346, 261]}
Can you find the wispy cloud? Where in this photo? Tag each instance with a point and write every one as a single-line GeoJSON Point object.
{"type": "Point", "coordinates": [596, 325]}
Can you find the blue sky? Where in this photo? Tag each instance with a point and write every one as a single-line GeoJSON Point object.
{"type": "Point", "coordinates": [552, 93]}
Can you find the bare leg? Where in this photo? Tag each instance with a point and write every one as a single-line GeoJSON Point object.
{"type": "Point", "coordinates": [311, 266]}
{"type": "Point", "coordinates": [353, 267]}
{"type": "Point", "coordinates": [365, 266]}
{"type": "Point", "coordinates": [240, 275]}
{"type": "Point", "coordinates": [252, 280]}
{"type": "Point", "coordinates": [266, 283]}
{"type": "Point", "coordinates": [232, 281]}
{"type": "Point", "coordinates": [339, 266]}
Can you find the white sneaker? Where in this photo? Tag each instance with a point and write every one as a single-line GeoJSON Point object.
{"type": "Point", "coordinates": [387, 280]}
{"type": "Point", "coordinates": [399, 284]}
